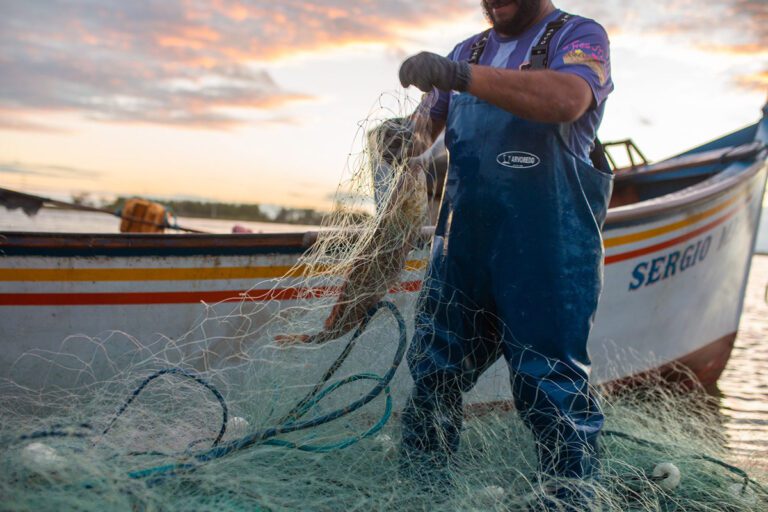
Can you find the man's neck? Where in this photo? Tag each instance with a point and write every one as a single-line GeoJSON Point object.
{"type": "Point", "coordinates": [547, 9]}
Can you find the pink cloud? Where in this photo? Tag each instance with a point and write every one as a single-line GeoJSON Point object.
{"type": "Point", "coordinates": [738, 27]}
{"type": "Point", "coordinates": [179, 62]}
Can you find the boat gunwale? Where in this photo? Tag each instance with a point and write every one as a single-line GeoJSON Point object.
{"type": "Point", "coordinates": [622, 216]}
{"type": "Point", "coordinates": [16, 243]}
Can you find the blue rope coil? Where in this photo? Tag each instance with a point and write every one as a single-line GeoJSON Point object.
{"type": "Point", "coordinates": [291, 422]}
{"type": "Point", "coordinates": [183, 373]}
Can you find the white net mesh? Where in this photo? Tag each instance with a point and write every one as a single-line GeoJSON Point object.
{"type": "Point", "coordinates": [134, 424]}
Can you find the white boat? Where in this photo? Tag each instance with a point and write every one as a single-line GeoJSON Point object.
{"type": "Point", "coordinates": [679, 238]}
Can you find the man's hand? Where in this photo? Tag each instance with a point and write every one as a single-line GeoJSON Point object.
{"type": "Point", "coordinates": [426, 70]}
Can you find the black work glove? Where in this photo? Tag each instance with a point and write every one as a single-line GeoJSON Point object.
{"type": "Point", "coordinates": [392, 139]}
{"type": "Point", "coordinates": [426, 70]}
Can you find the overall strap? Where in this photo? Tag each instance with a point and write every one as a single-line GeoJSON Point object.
{"type": "Point", "coordinates": [478, 47]}
{"type": "Point", "coordinates": [540, 52]}
{"type": "Point", "coordinates": [540, 60]}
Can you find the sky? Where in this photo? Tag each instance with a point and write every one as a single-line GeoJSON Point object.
{"type": "Point", "coordinates": [262, 101]}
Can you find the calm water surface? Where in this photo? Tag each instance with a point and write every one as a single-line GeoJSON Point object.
{"type": "Point", "coordinates": [55, 220]}
{"type": "Point", "coordinates": [743, 386]}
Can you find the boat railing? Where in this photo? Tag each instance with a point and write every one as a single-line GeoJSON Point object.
{"type": "Point", "coordinates": [634, 155]}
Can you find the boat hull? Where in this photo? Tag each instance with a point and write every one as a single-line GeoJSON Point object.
{"type": "Point", "coordinates": [79, 310]}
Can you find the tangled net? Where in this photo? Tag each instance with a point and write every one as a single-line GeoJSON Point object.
{"type": "Point", "coordinates": [211, 420]}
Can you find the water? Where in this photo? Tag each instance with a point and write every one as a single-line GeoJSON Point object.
{"type": "Point", "coordinates": [743, 386]}
{"type": "Point", "coordinates": [54, 220]}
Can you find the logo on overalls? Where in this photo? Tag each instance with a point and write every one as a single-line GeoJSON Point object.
{"type": "Point", "coordinates": [518, 159]}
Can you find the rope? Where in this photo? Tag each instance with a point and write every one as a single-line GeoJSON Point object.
{"type": "Point", "coordinates": [268, 435]}
{"type": "Point", "coordinates": [183, 373]}
{"type": "Point", "coordinates": [291, 422]}
{"type": "Point", "coordinates": [302, 406]}
{"type": "Point", "coordinates": [287, 424]}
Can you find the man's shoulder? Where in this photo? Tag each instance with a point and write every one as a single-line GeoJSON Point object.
{"type": "Point", "coordinates": [582, 25]}
{"type": "Point", "coordinates": [583, 48]}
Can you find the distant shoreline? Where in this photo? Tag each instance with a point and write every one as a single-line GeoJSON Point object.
{"type": "Point", "coordinates": [226, 211]}
{"type": "Point", "coordinates": [220, 211]}
{"type": "Point", "coordinates": [266, 219]}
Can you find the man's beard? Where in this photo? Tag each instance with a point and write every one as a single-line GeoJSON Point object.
{"type": "Point", "coordinates": [527, 11]}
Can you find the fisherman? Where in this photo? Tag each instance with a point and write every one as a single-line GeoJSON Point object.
{"type": "Point", "coordinates": [516, 262]}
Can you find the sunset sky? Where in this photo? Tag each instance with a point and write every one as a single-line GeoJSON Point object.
{"type": "Point", "coordinates": [261, 100]}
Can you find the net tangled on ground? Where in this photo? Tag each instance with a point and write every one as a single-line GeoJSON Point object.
{"type": "Point", "coordinates": [211, 420]}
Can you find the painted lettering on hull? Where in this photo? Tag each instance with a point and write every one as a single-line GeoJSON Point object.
{"type": "Point", "coordinates": [650, 272]}
{"type": "Point", "coordinates": [666, 266]}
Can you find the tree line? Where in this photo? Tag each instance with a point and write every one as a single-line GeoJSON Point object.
{"type": "Point", "coordinates": [235, 211]}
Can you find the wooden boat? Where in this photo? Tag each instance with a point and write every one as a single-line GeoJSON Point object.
{"type": "Point", "coordinates": [679, 239]}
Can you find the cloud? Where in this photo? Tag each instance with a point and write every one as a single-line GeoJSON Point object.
{"type": "Point", "coordinates": [15, 123]}
{"type": "Point", "coordinates": [46, 170]}
{"type": "Point", "coordinates": [179, 62]}
{"type": "Point", "coordinates": [726, 21]}
{"type": "Point", "coordinates": [755, 81]}
{"type": "Point", "coordinates": [738, 27]}
{"type": "Point", "coordinates": [205, 64]}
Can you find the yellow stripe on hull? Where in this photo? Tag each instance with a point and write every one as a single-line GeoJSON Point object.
{"type": "Point", "coordinates": [662, 230]}
{"type": "Point", "coordinates": [167, 274]}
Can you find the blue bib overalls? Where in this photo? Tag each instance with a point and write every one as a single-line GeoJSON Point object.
{"type": "Point", "coordinates": [515, 271]}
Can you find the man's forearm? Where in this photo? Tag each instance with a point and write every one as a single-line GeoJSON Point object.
{"type": "Point", "coordinates": [544, 96]}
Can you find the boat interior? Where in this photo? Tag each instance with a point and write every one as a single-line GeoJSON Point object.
{"type": "Point", "coordinates": [641, 180]}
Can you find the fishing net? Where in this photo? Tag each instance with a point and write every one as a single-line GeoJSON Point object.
{"type": "Point", "coordinates": [264, 407]}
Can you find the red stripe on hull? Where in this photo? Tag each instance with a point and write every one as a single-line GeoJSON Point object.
{"type": "Point", "coordinates": [142, 298]}
{"type": "Point", "coordinates": [139, 298]}
{"type": "Point", "coordinates": [669, 243]}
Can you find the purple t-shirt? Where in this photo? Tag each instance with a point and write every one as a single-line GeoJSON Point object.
{"type": "Point", "coordinates": [580, 47]}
